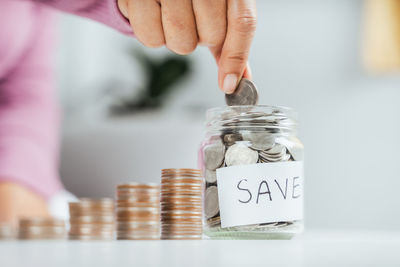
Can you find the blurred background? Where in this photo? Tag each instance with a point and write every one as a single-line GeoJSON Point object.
{"type": "Point", "coordinates": [319, 57]}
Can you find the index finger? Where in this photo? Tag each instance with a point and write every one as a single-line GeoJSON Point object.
{"type": "Point", "coordinates": [242, 19]}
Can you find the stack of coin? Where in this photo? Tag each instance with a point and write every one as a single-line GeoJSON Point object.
{"type": "Point", "coordinates": [6, 231]}
{"type": "Point", "coordinates": [138, 211]}
{"type": "Point", "coordinates": [181, 204]}
{"type": "Point", "coordinates": [91, 219]}
{"type": "Point", "coordinates": [41, 228]}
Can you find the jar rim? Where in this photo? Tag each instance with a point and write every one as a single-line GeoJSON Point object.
{"type": "Point", "coordinates": [230, 117]}
{"type": "Point", "coordinates": [290, 112]}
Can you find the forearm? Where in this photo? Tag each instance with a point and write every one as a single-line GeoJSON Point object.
{"type": "Point", "coordinates": [104, 11]}
{"type": "Point", "coordinates": [28, 142]}
{"type": "Point", "coordinates": [29, 116]}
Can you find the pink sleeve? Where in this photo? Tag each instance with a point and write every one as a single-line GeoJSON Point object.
{"type": "Point", "coordinates": [104, 11]}
{"type": "Point", "coordinates": [29, 115]}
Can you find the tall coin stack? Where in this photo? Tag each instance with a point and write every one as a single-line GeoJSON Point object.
{"type": "Point", "coordinates": [181, 204]}
{"type": "Point", "coordinates": [41, 228]}
{"type": "Point", "coordinates": [91, 219]}
{"type": "Point", "coordinates": [138, 211]}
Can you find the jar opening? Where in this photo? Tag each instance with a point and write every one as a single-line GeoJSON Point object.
{"type": "Point", "coordinates": [273, 119]}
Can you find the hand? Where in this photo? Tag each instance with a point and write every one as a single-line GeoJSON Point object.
{"type": "Point", "coordinates": [17, 201]}
{"type": "Point", "coordinates": [226, 26]}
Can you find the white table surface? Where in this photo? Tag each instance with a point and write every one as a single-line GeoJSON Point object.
{"type": "Point", "coordinates": [314, 248]}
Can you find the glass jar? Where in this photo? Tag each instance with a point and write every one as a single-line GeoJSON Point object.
{"type": "Point", "coordinates": [252, 163]}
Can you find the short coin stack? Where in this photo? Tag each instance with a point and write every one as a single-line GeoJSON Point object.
{"type": "Point", "coordinates": [138, 211]}
{"type": "Point", "coordinates": [6, 231]}
{"type": "Point", "coordinates": [181, 204]}
{"type": "Point", "coordinates": [92, 219]}
{"type": "Point", "coordinates": [41, 228]}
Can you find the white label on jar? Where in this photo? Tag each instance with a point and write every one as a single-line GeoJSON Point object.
{"type": "Point", "coordinates": [260, 193]}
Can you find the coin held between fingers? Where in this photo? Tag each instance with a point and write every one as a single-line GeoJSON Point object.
{"type": "Point", "coordinates": [246, 93]}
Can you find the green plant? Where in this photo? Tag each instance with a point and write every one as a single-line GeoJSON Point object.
{"type": "Point", "coordinates": [162, 74]}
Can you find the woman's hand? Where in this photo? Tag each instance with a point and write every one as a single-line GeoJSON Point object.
{"type": "Point", "coordinates": [226, 26]}
{"type": "Point", "coordinates": [17, 201]}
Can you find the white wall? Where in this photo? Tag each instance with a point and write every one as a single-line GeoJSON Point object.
{"type": "Point", "coordinates": [306, 55]}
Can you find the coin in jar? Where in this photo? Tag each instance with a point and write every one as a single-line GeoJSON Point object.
{"type": "Point", "coordinates": [277, 149]}
{"type": "Point", "coordinates": [294, 147]}
{"type": "Point", "coordinates": [214, 155]}
{"type": "Point", "coordinates": [231, 138]}
{"type": "Point", "coordinates": [210, 176]}
{"type": "Point", "coordinates": [246, 93]}
{"type": "Point", "coordinates": [259, 140]}
{"type": "Point", "coordinates": [240, 154]}
{"type": "Point", "coordinates": [211, 205]}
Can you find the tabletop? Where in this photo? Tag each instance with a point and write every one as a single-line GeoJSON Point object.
{"type": "Point", "coordinates": [313, 248]}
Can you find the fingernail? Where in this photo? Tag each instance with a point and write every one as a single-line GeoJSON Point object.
{"type": "Point", "coordinates": [229, 85]}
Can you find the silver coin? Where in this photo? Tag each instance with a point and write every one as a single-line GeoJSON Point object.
{"type": "Point", "coordinates": [266, 158]}
{"type": "Point", "coordinates": [259, 140]}
{"type": "Point", "coordinates": [294, 147]}
{"type": "Point", "coordinates": [210, 176]}
{"type": "Point", "coordinates": [211, 205]}
{"type": "Point", "coordinates": [274, 157]}
{"type": "Point", "coordinates": [240, 154]}
{"type": "Point", "coordinates": [213, 224]}
{"type": "Point", "coordinates": [286, 157]}
{"type": "Point", "coordinates": [214, 155]}
{"type": "Point", "coordinates": [277, 149]}
{"type": "Point", "coordinates": [231, 138]}
{"type": "Point", "coordinates": [245, 94]}
{"type": "Point", "coordinates": [297, 152]}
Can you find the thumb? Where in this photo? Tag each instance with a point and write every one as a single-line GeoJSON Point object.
{"type": "Point", "coordinates": [247, 73]}
{"type": "Point", "coordinates": [232, 61]}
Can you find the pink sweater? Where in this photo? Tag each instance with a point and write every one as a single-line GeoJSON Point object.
{"type": "Point", "coordinates": [29, 115]}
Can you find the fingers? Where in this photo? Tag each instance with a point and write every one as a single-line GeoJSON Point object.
{"type": "Point", "coordinates": [211, 23]}
{"type": "Point", "coordinates": [247, 72]}
{"type": "Point", "coordinates": [179, 25]}
{"type": "Point", "coordinates": [241, 16]}
{"type": "Point", "coordinates": [145, 19]}
{"type": "Point", "coordinates": [226, 26]}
